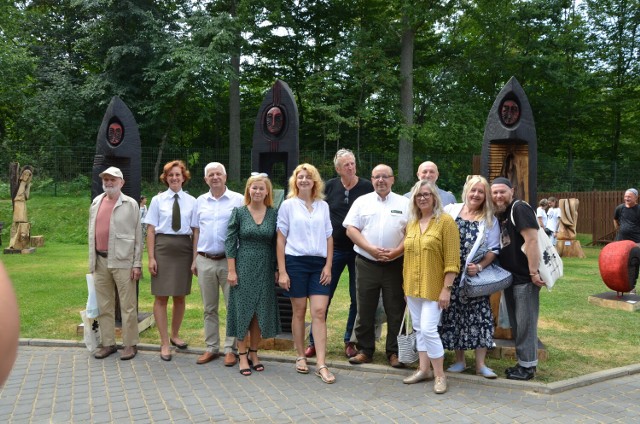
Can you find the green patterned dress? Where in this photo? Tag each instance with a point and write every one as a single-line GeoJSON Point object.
{"type": "Point", "coordinates": [254, 248]}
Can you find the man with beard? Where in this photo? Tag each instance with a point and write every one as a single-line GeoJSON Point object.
{"type": "Point", "coordinates": [376, 224]}
{"type": "Point", "coordinates": [115, 260]}
{"type": "Point", "coordinates": [523, 296]}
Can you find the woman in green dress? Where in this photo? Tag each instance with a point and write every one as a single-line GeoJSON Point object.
{"type": "Point", "coordinates": [251, 257]}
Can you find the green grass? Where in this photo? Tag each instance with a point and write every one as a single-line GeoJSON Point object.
{"type": "Point", "coordinates": [581, 338]}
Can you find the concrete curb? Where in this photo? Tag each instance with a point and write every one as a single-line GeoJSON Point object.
{"type": "Point", "coordinates": [543, 388]}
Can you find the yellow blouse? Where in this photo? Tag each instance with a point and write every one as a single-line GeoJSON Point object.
{"type": "Point", "coordinates": [429, 256]}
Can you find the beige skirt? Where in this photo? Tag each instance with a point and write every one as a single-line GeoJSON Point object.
{"type": "Point", "coordinates": [174, 255]}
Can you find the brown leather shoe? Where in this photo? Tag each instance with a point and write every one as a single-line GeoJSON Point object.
{"type": "Point", "coordinates": [207, 357]}
{"type": "Point", "coordinates": [230, 359]}
{"type": "Point", "coordinates": [395, 362]}
{"type": "Point", "coordinates": [350, 350]}
{"type": "Point", "coordinates": [129, 352]}
{"type": "Point", "coordinates": [105, 351]}
{"type": "Point", "coordinates": [360, 358]}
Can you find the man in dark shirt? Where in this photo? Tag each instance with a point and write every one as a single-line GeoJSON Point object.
{"type": "Point", "coordinates": [340, 193]}
{"type": "Point", "coordinates": [626, 217]}
{"type": "Point", "coordinates": [523, 297]}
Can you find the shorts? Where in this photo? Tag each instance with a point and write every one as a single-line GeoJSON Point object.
{"type": "Point", "coordinates": [304, 274]}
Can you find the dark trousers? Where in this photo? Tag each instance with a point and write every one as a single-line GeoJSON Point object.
{"type": "Point", "coordinates": [371, 279]}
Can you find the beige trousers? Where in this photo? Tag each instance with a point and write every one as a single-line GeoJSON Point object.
{"type": "Point", "coordinates": [106, 280]}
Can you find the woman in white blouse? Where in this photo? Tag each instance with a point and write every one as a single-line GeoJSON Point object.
{"type": "Point", "coordinates": [170, 253]}
{"type": "Point", "coordinates": [305, 252]}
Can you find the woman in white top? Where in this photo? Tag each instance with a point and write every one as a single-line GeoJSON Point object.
{"type": "Point", "coordinates": [170, 252]}
{"type": "Point", "coordinates": [305, 252]}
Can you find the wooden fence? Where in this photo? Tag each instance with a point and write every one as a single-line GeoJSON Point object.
{"type": "Point", "coordinates": [595, 212]}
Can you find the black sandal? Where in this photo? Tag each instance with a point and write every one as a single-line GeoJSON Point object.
{"type": "Point", "coordinates": [257, 367]}
{"type": "Point", "coordinates": [244, 371]}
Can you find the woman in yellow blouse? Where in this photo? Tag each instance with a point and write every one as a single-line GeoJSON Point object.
{"type": "Point", "coordinates": [431, 262]}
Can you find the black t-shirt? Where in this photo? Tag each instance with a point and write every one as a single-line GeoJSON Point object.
{"type": "Point", "coordinates": [628, 222]}
{"type": "Point", "coordinates": [339, 204]}
{"type": "Point", "coordinates": [511, 256]}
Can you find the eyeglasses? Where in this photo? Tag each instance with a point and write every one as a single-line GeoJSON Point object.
{"type": "Point", "coordinates": [259, 174]}
{"type": "Point", "coordinates": [346, 197]}
{"type": "Point", "coordinates": [381, 177]}
{"type": "Point", "coordinates": [423, 196]}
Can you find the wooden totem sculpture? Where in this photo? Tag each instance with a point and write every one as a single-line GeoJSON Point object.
{"type": "Point", "coordinates": [567, 244]}
{"type": "Point", "coordinates": [275, 134]}
{"type": "Point", "coordinates": [20, 191]}
{"type": "Point", "coordinates": [510, 149]}
{"type": "Point", "coordinates": [118, 144]}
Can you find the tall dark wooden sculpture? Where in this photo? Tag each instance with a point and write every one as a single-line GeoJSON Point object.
{"type": "Point", "coordinates": [118, 144]}
{"type": "Point", "coordinates": [275, 133]}
{"type": "Point", "coordinates": [275, 141]}
{"type": "Point", "coordinates": [510, 147]}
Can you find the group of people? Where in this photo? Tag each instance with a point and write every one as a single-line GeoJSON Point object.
{"type": "Point", "coordinates": [548, 215]}
{"type": "Point", "coordinates": [408, 252]}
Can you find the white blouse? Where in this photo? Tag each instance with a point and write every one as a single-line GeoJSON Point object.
{"type": "Point", "coordinates": [306, 232]}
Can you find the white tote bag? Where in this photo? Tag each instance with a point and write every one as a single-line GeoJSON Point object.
{"type": "Point", "coordinates": [92, 301]}
{"type": "Point", "coordinates": [550, 267]}
{"type": "Point", "coordinates": [91, 332]}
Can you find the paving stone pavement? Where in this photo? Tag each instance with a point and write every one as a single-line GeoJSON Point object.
{"type": "Point", "coordinates": [65, 384]}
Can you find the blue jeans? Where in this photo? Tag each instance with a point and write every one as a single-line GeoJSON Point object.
{"type": "Point", "coordinates": [523, 305]}
{"type": "Point", "coordinates": [342, 259]}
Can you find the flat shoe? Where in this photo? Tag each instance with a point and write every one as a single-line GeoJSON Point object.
{"type": "Point", "coordinates": [486, 372]}
{"type": "Point", "coordinates": [457, 367]}
{"type": "Point", "coordinates": [304, 369]}
{"type": "Point", "coordinates": [440, 385]}
{"type": "Point", "coordinates": [418, 376]}
{"type": "Point", "coordinates": [329, 378]}
{"type": "Point", "coordinates": [165, 357]}
{"type": "Point", "coordinates": [179, 345]}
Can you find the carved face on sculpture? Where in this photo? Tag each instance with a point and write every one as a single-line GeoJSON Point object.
{"type": "Point", "coordinates": [275, 120]}
{"type": "Point", "coordinates": [510, 112]}
{"type": "Point", "coordinates": [115, 134]}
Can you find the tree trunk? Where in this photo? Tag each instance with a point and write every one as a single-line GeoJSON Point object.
{"type": "Point", "coordinates": [235, 143]}
{"type": "Point", "coordinates": [405, 147]}
{"type": "Point", "coordinates": [163, 142]}
{"type": "Point", "coordinates": [234, 120]}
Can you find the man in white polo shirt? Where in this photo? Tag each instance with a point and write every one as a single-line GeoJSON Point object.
{"type": "Point", "coordinates": [376, 224]}
{"type": "Point", "coordinates": [210, 219]}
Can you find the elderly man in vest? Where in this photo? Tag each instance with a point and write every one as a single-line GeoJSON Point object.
{"type": "Point", "coordinates": [115, 260]}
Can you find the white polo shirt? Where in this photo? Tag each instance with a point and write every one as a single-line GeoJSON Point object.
{"type": "Point", "coordinates": [211, 217]}
{"type": "Point", "coordinates": [306, 232]}
{"type": "Point", "coordinates": [382, 222]}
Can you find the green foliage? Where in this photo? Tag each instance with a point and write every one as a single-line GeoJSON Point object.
{"type": "Point", "coordinates": [61, 62]}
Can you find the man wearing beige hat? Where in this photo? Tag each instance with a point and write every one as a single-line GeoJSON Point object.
{"type": "Point", "coordinates": [115, 260]}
